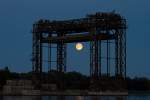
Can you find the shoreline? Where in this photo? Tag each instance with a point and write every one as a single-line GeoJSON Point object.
{"type": "Point", "coordinates": [66, 93]}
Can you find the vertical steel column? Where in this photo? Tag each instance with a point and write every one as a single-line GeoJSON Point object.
{"type": "Point", "coordinates": [98, 31]}
{"type": "Point", "coordinates": [61, 62]}
{"type": "Point", "coordinates": [125, 52]}
{"type": "Point", "coordinates": [95, 70]}
{"type": "Point", "coordinates": [40, 55]}
{"type": "Point", "coordinates": [100, 58]}
{"type": "Point", "coordinates": [33, 48]}
{"type": "Point", "coordinates": [120, 53]}
{"type": "Point", "coordinates": [49, 53]}
{"type": "Point", "coordinates": [116, 53]}
{"type": "Point", "coordinates": [61, 55]}
{"type": "Point", "coordinates": [108, 56]}
{"type": "Point", "coordinates": [124, 40]}
{"type": "Point", "coordinates": [91, 59]}
{"type": "Point", "coordinates": [37, 59]}
{"type": "Point", "coordinates": [94, 56]}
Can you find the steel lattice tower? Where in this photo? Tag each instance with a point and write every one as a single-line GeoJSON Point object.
{"type": "Point", "coordinates": [98, 29]}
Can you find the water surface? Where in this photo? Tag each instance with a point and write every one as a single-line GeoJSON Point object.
{"type": "Point", "coordinates": [130, 97]}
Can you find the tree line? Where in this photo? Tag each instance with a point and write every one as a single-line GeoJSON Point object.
{"type": "Point", "coordinates": [74, 80]}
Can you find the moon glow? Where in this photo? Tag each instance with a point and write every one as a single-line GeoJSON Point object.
{"type": "Point", "coordinates": [79, 46]}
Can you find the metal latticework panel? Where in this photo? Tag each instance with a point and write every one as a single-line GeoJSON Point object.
{"type": "Point", "coordinates": [120, 53]}
{"type": "Point", "coordinates": [61, 55]}
{"type": "Point", "coordinates": [37, 59]}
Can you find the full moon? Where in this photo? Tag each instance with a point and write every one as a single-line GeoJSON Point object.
{"type": "Point", "coordinates": [79, 46]}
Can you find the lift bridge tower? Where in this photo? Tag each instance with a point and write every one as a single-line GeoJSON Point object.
{"type": "Point", "coordinates": [100, 29]}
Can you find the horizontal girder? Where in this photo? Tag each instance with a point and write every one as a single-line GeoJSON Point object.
{"type": "Point", "coordinates": [78, 38]}
{"type": "Point", "coordinates": [103, 21]}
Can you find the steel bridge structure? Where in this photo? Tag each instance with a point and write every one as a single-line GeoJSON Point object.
{"type": "Point", "coordinates": [98, 29]}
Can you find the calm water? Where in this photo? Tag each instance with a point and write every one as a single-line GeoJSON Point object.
{"type": "Point", "coordinates": [144, 97]}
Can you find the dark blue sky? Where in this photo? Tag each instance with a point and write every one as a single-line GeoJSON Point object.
{"type": "Point", "coordinates": [17, 17]}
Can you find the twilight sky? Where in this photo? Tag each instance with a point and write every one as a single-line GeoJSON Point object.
{"type": "Point", "coordinates": [17, 17]}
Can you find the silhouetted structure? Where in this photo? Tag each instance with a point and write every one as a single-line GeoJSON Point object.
{"type": "Point", "coordinates": [100, 29]}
